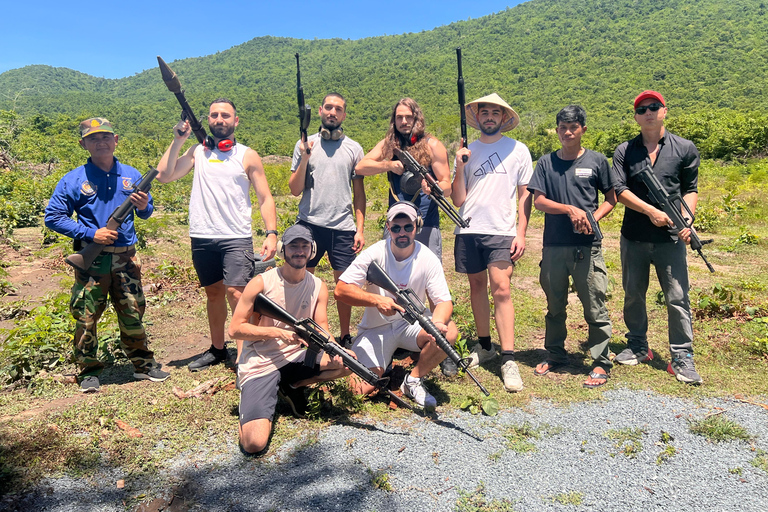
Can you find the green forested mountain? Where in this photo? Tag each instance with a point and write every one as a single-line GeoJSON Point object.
{"type": "Point", "coordinates": [703, 55]}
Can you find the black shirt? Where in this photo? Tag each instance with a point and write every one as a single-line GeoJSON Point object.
{"type": "Point", "coordinates": [676, 168]}
{"type": "Point", "coordinates": [571, 182]}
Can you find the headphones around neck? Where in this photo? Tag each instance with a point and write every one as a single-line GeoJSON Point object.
{"type": "Point", "coordinates": [281, 250]}
{"type": "Point", "coordinates": [223, 145]}
{"type": "Point", "coordinates": [334, 134]}
{"type": "Point", "coordinates": [419, 218]}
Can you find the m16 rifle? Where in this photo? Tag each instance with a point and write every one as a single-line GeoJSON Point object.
{"type": "Point", "coordinates": [414, 312]}
{"type": "Point", "coordinates": [305, 112]}
{"type": "Point", "coordinates": [319, 340]}
{"type": "Point", "coordinates": [173, 85]}
{"type": "Point", "coordinates": [462, 102]}
{"type": "Point", "coordinates": [83, 259]}
{"type": "Point", "coordinates": [673, 205]}
{"type": "Point", "coordinates": [410, 183]}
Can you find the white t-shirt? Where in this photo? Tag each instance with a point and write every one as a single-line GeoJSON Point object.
{"type": "Point", "coordinates": [492, 175]}
{"type": "Point", "coordinates": [422, 272]}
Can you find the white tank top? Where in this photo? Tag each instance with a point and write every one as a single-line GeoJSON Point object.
{"type": "Point", "coordinates": [220, 203]}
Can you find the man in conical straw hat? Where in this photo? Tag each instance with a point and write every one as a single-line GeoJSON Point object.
{"type": "Point", "coordinates": [491, 188]}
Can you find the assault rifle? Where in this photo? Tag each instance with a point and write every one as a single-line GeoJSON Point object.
{"type": "Point", "coordinates": [462, 101]}
{"type": "Point", "coordinates": [319, 340]}
{"type": "Point", "coordinates": [671, 205]}
{"type": "Point", "coordinates": [410, 183]}
{"type": "Point", "coordinates": [305, 112]}
{"type": "Point", "coordinates": [84, 259]}
{"type": "Point", "coordinates": [414, 312]}
{"type": "Point", "coordinates": [173, 85]}
{"type": "Point", "coordinates": [595, 226]}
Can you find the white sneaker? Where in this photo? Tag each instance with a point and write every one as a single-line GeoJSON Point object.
{"type": "Point", "coordinates": [417, 392]}
{"type": "Point", "coordinates": [480, 355]}
{"type": "Point", "coordinates": [511, 377]}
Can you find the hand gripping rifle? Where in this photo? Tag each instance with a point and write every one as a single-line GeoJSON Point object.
{"type": "Point", "coordinates": [84, 259]}
{"type": "Point", "coordinates": [319, 340]}
{"type": "Point", "coordinates": [173, 85]}
{"type": "Point", "coordinates": [671, 205]}
{"type": "Point", "coordinates": [414, 312]}
{"type": "Point", "coordinates": [305, 112]}
{"type": "Point", "coordinates": [462, 101]}
{"type": "Point", "coordinates": [410, 183]}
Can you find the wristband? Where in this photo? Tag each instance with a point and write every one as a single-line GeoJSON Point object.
{"type": "Point", "coordinates": [272, 232]}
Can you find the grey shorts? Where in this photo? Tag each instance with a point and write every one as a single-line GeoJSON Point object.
{"type": "Point", "coordinates": [258, 396]}
{"type": "Point", "coordinates": [473, 253]}
{"type": "Point", "coordinates": [231, 260]}
{"type": "Point", "coordinates": [375, 347]}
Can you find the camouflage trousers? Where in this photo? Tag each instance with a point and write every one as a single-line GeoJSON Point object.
{"type": "Point", "coordinates": [117, 276]}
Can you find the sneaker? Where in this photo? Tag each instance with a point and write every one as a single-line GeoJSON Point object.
{"type": "Point", "coordinates": [448, 367]}
{"type": "Point", "coordinates": [511, 377]}
{"type": "Point", "coordinates": [415, 390]}
{"type": "Point", "coordinates": [346, 341]}
{"type": "Point", "coordinates": [154, 373]}
{"type": "Point", "coordinates": [89, 384]}
{"type": "Point", "coordinates": [630, 358]}
{"type": "Point", "coordinates": [479, 355]}
{"type": "Point", "coordinates": [209, 358]}
{"type": "Point", "coordinates": [683, 369]}
{"type": "Point", "coordinates": [295, 398]}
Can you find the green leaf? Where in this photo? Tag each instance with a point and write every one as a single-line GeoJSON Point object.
{"type": "Point", "coordinates": [490, 406]}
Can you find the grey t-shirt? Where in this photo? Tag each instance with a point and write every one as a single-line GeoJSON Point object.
{"type": "Point", "coordinates": [327, 197]}
{"type": "Point", "coordinates": [572, 182]}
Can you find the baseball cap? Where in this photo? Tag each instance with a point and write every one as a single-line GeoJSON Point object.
{"type": "Point", "coordinates": [296, 232]}
{"type": "Point", "coordinates": [403, 208]}
{"type": "Point", "coordinates": [95, 125]}
{"type": "Point", "coordinates": [650, 94]}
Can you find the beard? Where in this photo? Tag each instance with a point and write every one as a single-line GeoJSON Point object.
{"type": "Point", "coordinates": [490, 130]}
{"type": "Point", "coordinates": [222, 132]}
{"type": "Point", "coordinates": [330, 125]}
{"type": "Point", "coordinates": [402, 242]}
{"type": "Point", "coordinates": [297, 262]}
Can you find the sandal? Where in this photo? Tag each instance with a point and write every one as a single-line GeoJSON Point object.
{"type": "Point", "coordinates": [550, 367]}
{"type": "Point", "coordinates": [597, 376]}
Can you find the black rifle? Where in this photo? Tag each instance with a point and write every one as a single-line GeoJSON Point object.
{"type": "Point", "coordinates": [83, 259]}
{"type": "Point", "coordinates": [462, 102]}
{"type": "Point", "coordinates": [319, 340]}
{"type": "Point", "coordinates": [414, 312]}
{"type": "Point", "coordinates": [173, 84]}
{"type": "Point", "coordinates": [671, 205]}
{"type": "Point", "coordinates": [595, 226]}
{"type": "Point", "coordinates": [410, 183]}
{"type": "Point", "coordinates": [305, 112]}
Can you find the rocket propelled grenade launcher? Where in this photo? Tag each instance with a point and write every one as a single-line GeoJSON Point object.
{"type": "Point", "coordinates": [305, 112]}
{"type": "Point", "coordinates": [414, 312]}
{"type": "Point", "coordinates": [462, 102]}
{"type": "Point", "coordinates": [173, 85]}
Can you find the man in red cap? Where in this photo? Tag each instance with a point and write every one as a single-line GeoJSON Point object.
{"type": "Point", "coordinates": [645, 239]}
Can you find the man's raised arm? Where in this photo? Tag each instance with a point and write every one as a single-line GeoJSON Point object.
{"type": "Point", "coordinates": [171, 167]}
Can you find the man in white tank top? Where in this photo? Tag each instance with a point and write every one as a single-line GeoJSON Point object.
{"type": "Point", "coordinates": [220, 215]}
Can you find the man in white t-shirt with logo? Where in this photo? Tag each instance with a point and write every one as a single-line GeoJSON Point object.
{"type": "Point", "coordinates": [382, 330]}
{"type": "Point", "coordinates": [491, 188]}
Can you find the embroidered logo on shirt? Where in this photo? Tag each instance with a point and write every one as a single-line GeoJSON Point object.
{"type": "Point", "coordinates": [88, 188]}
{"type": "Point", "coordinates": [583, 172]}
{"type": "Point", "coordinates": [127, 184]}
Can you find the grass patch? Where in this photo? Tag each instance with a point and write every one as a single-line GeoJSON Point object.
{"type": "Point", "coordinates": [568, 498]}
{"type": "Point", "coordinates": [718, 429]}
{"type": "Point", "coordinates": [380, 480]}
{"type": "Point", "coordinates": [477, 501]}
{"type": "Point", "coordinates": [628, 441]}
{"type": "Point", "coordinates": [519, 437]}
{"type": "Point", "coordinates": [760, 461]}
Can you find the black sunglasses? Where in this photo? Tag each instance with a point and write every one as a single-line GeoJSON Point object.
{"type": "Point", "coordinates": [395, 228]}
{"type": "Point", "coordinates": [653, 107]}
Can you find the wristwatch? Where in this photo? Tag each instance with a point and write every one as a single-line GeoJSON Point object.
{"type": "Point", "coordinates": [272, 232]}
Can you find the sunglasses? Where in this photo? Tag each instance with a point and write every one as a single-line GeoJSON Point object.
{"type": "Point", "coordinates": [653, 107]}
{"type": "Point", "coordinates": [395, 228]}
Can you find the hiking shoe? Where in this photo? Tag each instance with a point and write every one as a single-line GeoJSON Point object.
{"type": "Point", "coordinates": [479, 355]}
{"type": "Point", "coordinates": [346, 341]}
{"type": "Point", "coordinates": [415, 390]}
{"type": "Point", "coordinates": [511, 377]}
{"type": "Point", "coordinates": [683, 369]}
{"type": "Point", "coordinates": [89, 384]}
{"type": "Point", "coordinates": [630, 358]}
{"type": "Point", "coordinates": [153, 373]}
{"type": "Point", "coordinates": [295, 398]}
{"type": "Point", "coordinates": [448, 367]}
{"type": "Point", "coordinates": [209, 358]}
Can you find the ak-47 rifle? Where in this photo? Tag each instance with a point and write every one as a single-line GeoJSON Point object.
{"type": "Point", "coordinates": [410, 183]}
{"type": "Point", "coordinates": [319, 340]}
{"type": "Point", "coordinates": [462, 101]}
{"type": "Point", "coordinates": [414, 312]}
{"type": "Point", "coordinates": [671, 205]}
{"type": "Point", "coordinates": [305, 112]}
{"type": "Point", "coordinates": [173, 85]}
{"type": "Point", "coordinates": [84, 259]}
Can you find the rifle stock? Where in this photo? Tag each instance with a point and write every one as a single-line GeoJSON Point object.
{"type": "Point", "coordinates": [305, 112]}
{"type": "Point", "coordinates": [462, 103]}
{"type": "Point", "coordinates": [83, 259]}
{"type": "Point", "coordinates": [173, 85]}
{"type": "Point", "coordinates": [414, 312]}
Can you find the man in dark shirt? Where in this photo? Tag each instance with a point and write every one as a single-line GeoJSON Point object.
{"type": "Point", "coordinates": [565, 185]}
{"type": "Point", "coordinates": [645, 239]}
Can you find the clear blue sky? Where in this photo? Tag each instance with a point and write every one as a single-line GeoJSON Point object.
{"type": "Point", "coordinates": [114, 39]}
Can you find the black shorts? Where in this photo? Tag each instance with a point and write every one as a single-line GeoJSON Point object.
{"type": "Point", "coordinates": [231, 260]}
{"type": "Point", "coordinates": [473, 253]}
{"type": "Point", "coordinates": [258, 396]}
{"type": "Point", "coordinates": [338, 244]}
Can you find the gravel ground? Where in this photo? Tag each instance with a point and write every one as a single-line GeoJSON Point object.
{"type": "Point", "coordinates": [429, 463]}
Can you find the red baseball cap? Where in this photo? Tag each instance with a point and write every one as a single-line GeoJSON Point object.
{"type": "Point", "coordinates": [650, 94]}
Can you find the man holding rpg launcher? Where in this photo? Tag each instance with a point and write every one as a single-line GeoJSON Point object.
{"type": "Point", "coordinates": [382, 329]}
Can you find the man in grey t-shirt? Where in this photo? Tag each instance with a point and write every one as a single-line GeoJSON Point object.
{"type": "Point", "coordinates": [332, 197]}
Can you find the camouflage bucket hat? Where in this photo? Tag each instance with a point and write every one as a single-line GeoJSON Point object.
{"type": "Point", "coordinates": [95, 125]}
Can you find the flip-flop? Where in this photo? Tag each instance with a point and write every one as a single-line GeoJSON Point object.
{"type": "Point", "coordinates": [551, 366]}
{"type": "Point", "coordinates": [594, 375]}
